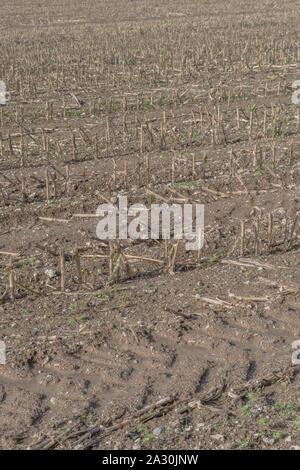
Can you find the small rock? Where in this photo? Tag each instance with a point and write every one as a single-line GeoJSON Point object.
{"type": "Point", "coordinates": [136, 447]}
{"type": "Point", "coordinates": [218, 437]}
{"type": "Point", "coordinates": [200, 426]}
{"type": "Point", "coordinates": [295, 447]}
{"type": "Point", "coordinates": [268, 440]}
{"type": "Point", "coordinates": [228, 446]}
{"type": "Point", "coordinates": [158, 431]}
{"type": "Point", "coordinates": [50, 273]}
{"type": "Point", "coordinates": [2, 393]}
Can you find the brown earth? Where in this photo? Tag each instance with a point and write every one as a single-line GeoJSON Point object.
{"type": "Point", "coordinates": [198, 358]}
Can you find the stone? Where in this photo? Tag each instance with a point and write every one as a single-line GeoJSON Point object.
{"type": "Point", "coordinates": [218, 437]}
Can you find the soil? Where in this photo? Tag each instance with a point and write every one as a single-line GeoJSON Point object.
{"type": "Point", "coordinates": [195, 358]}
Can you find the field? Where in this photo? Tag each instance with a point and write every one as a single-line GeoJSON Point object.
{"type": "Point", "coordinates": [140, 344]}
